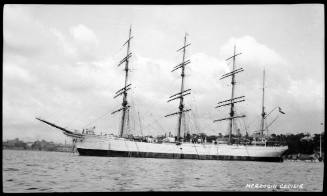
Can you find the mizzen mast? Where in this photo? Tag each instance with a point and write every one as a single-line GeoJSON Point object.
{"type": "Point", "coordinates": [263, 114]}
{"type": "Point", "coordinates": [233, 99]}
{"type": "Point", "coordinates": [123, 91]}
{"type": "Point", "coordinates": [180, 95]}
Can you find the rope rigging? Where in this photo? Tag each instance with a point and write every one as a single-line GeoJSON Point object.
{"type": "Point", "coordinates": [92, 122]}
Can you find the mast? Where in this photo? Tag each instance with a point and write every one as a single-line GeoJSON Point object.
{"type": "Point", "coordinates": [263, 114]}
{"type": "Point", "coordinates": [138, 113]}
{"type": "Point", "coordinates": [320, 145]}
{"type": "Point", "coordinates": [180, 95]}
{"type": "Point", "coordinates": [233, 99]}
{"type": "Point", "coordinates": [123, 91]}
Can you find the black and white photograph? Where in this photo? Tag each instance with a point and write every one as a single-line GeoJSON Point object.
{"type": "Point", "coordinates": [173, 98]}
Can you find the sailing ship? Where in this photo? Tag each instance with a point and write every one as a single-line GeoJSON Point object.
{"type": "Point", "coordinates": [91, 144]}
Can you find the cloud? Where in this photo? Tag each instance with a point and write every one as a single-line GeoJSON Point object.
{"type": "Point", "coordinates": [82, 34]}
{"type": "Point", "coordinates": [26, 36]}
{"type": "Point", "coordinates": [85, 41]}
{"type": "Point", "coordinates": [255, 53]}
{"type": "Point", "coordinates": [23, 34]}
{"type": "Point", "coordinates": [15, 73]}
{"type": "Point", "coordinates": [80, 43]}
{"type": "Point", "coordinates": [307, 93]}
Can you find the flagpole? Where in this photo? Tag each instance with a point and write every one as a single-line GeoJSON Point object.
{"type": "Point", "coordinates": [320, 141]}
{"type": "Point", "coordinates": [320, 145]}
{"type": "Point", "coordinates": [274, 110]}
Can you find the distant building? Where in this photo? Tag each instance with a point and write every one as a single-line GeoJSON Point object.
{"type": "Point", "coordinates": [29, 144]}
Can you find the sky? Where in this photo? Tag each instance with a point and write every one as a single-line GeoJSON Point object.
{"type": "Point", "coordinates": [60, 64]}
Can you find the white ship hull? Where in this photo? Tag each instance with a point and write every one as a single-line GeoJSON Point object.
{"type": "Point", "coordinates": [93, 145]}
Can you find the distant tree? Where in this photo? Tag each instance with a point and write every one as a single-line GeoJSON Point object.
{"type": "Point", "coordinates": [203, 135]}
{"type": "Point", "coordinates": [211, 138]}
{"type": "Point", "coordinates": [293, 143]}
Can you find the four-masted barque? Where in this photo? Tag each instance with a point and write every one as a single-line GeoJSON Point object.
{"type": "Point", "coordinates": [173, 148]}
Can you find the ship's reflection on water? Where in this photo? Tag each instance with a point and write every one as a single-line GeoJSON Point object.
{"type": "Point", "coordinates": [35, 171]}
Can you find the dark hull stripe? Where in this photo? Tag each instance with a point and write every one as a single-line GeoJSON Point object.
{"type": "Point", "coordinates": [111, 153]}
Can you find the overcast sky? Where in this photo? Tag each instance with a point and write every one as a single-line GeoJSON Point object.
{"type": "Point", "coordinates": [60, 63]}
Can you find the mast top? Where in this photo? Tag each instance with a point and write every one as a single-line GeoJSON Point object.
{"type": "Point", "coordinates": [185, 45]}
{"type": "Point", "coordinates": [130, 30]}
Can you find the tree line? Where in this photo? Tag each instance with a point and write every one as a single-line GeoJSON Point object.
{"type": "Point", "coordinates": [36, 145]}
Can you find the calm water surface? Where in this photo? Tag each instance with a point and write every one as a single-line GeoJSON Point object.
{"type": "Point", "coordinates": [36, 171]}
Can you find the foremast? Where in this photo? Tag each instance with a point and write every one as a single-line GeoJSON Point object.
{"type": "Point", "coordinates": [123, 91]}
{"type": "Point", "coordinates": [233, 99]}
{"type": "Point", "coordinates": [180, 95]}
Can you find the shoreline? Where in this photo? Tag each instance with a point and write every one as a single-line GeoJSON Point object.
{"type": "Point", "coordinates": [21, 149]}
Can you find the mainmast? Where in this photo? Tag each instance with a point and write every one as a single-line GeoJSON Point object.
{"type": "Point", "coordinates": [233, 99]}
{"type": "Point", "coordinates": [180, 95]}
{"type": "Point", "coordinates": [123, 91]}
{"type": "Point", "coordinates": [263, 114]}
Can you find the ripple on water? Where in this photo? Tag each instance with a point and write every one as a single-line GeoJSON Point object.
{"type": "Point", "coordinates": [31, 188]}
{"type": "Point", "coordinates": [45, 189]}
{"type": "Point", "coordinates": [11, 169]}
{"type": "Point", "coordinates": [33, 165]}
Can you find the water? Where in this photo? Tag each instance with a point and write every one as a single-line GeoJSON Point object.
{"type": "Point", "coordinates": [37, 171]}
